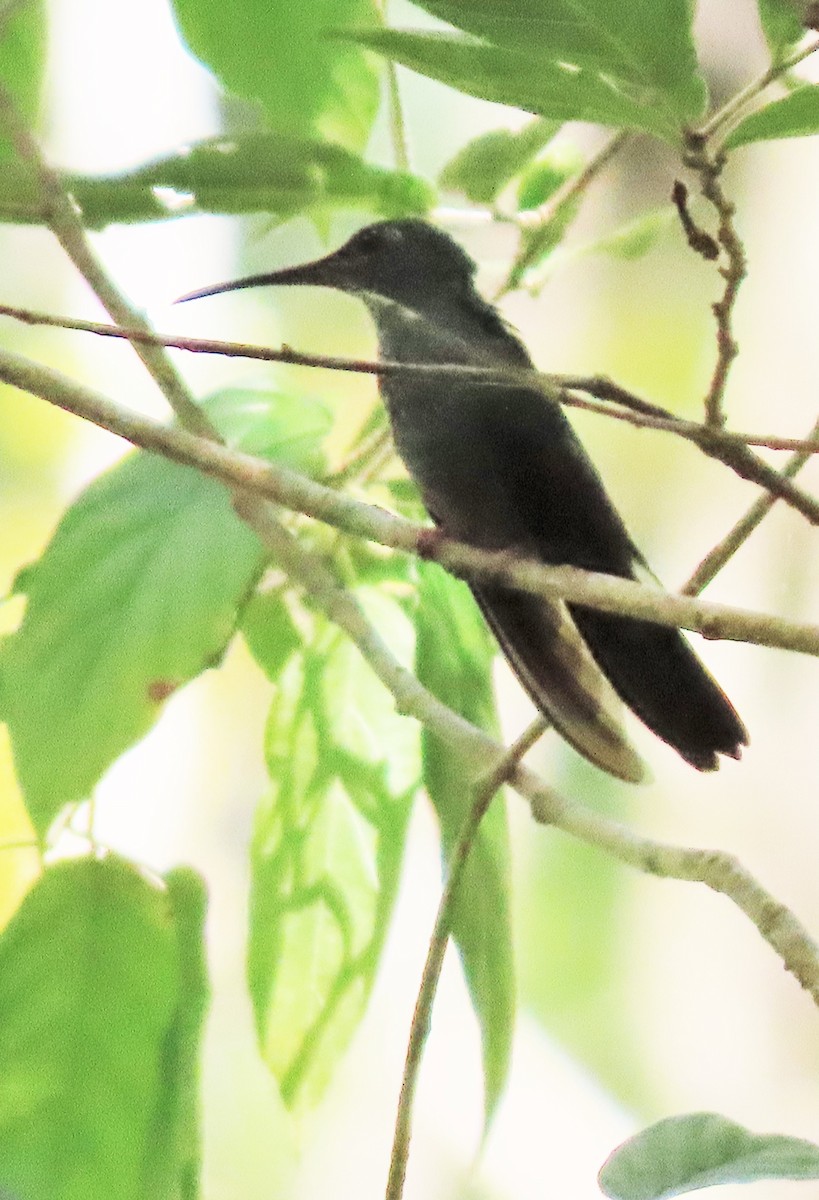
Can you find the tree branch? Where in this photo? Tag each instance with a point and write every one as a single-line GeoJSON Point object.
{"type": "Point", "coordinates": [738, 535]}
{"type": "Point", "coordinates": [64, 221]}
{"type": "Point", "coordinates": [728, 448]}
{"type": "Point", "coordinates": [539, 221]}
{"type": "Point", "coordinates": [709, 169]}
{"type": "Point", "coordinates": [275, 482]}
{"type": "Point", "coordinates": [730, 111]}
{"type": "Point", "coordinates": [717, 870]}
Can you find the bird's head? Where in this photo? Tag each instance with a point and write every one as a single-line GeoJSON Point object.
{"type": "Point", "coordinates": [406, 261]}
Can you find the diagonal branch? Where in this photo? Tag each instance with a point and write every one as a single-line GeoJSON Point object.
{"type": "Point", "coordinates": [65, 223]}
{"type": "Point", "coordinates": [721, 872]}
{"type": "Point", "coordinates": [737, 536]}
{"type": "Point", "coordinates": [732, 449]}
{"type": "Point", "coordinates": [246, 474]}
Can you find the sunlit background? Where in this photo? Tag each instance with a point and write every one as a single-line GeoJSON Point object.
{"type": "Point", "coordinates": [640, 998]}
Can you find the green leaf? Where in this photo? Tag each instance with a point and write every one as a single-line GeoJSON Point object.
{"type": "Point", "coordinates": [280, 56]}
{"type": "Point", "coordinates": [22, 63]}
{"type": "Point", "coordinates": [270, 632]}
{"type": "Point", "coordinates": [258, 172]}
{"type": "Point", "coordinates": [646, 44]}
{"type": "Point", "coordinates": [796, 115]}
{"type": "Point", "coordinates": [273, 425]}
{"type": "Point", "coordinates": [699, 1150]}
{"type": "Point", "coordinates": [484, 166]}
{"type": "Point", "coordinates": [136, 594]}
{"type": "Point", "coordinates": [100, 1019]}
{"type": "Point", "coordinates": [524, 80]}
{"type": "Point", "coordinates": [327, 850]}
{"type": "Point", "coordinates": [270, 173]}
{"type": "Point", "coordinates": [176, 1136]}
{"type": "Point", "coordinates": [542, 179]}
{"type": "Point", "coordinates": [782, 24]}
{"type": "Point", "coordinates": [538, 243]}
{"type": "Point", "coordinates": [454, 659]}
{"type": "Point", "coordinates": [637, 237]}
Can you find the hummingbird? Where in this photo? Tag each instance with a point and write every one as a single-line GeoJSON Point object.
{"type": "Point", "coordinates": [499, 466]}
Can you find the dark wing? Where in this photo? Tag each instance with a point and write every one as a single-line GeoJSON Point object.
{"type": "Point", "coordinates": [565, 516]}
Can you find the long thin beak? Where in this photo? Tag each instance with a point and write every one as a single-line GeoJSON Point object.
{"type": "Point", "coordinates": [323, 272]}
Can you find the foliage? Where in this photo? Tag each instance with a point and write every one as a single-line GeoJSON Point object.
{"type": "Point", "coordinates": [151, 573]}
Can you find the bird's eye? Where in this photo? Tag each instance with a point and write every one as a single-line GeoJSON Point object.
{"type": "Point", "coordinates": [368, 240]}
{"type": "Point", "coordinates": [377, 237]}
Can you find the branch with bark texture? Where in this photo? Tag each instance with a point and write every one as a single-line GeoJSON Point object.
{"type": "Point", "coordinates": [254, 476]}
{"type": "Point", "coordinates": [732, 449]}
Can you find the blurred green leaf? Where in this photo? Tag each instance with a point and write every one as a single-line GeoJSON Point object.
{"type": "Point", "coordinates": [327, 850]}
{"type": "Point", "coordinates": [637, 237]}
{"type": "Point", "coordinates": [280, 56]}
{"type": "Point", "coordinates": [524, 80]}
{"type": "Point", "coordinates": [699, 1150]}
{"type": "Point", "coordinates": [258, 172]}
{"type": "Point", "coordinates": [571, 921]}
{"type": "Point", "coordinates": [542, 179]}
{"type": "Point", "coordinates": [22, 64]}
{"type": "Point", "coordinates": [454, 660]}
{"type": "Point", "coordinates": [538, 243]}
{"type": "Point", "coordinates": [137, 592]}
{"type": "Point", "coordinates": [176, 1135]}
{"type": "Point", "coordinates": [795, 115]}
{"type": "Point", "coordinates": [484, 166]}
{"type": "Point", "coordinates": [273, 425]}
{"type": "Point", "coordinates": [270, 632]}
{"type": "Point", "coordinates": [782, 24]}
{"type": "Point", "coordinates": [647, 44]}
{"type": "Point", "coordinates": [100, 1019]}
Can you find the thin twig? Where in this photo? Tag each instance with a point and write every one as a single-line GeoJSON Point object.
{"type": "Point", "coordinates": [532, 222]}
{"type": "Point", "coordinates": [730, 111]}
{"type": "Point", "coordinates": [727, 447]}
{"type": "Point", "coordinates": [719, 871]}
{"type": "Point", "coordinates": [485, 790]}
{"type": "Point", "coordinates": [398, 129]}
{"type": "Point", "coordinates": [709, 169]}
{"type": "Point", "coordinates": [253, 477]}
{"type": "Point", "coordinates": [738, 535]}
{"type": "Point", "coordinates": [732, 449]}
{"type": "Point", "coordinates": [700, 242]}
{"type": "Point", "coordinates": [21, 844]}
{"type": "Point", "coordinates": [66, 225]}
{"type": "Point", "coordinates": [368, 451]}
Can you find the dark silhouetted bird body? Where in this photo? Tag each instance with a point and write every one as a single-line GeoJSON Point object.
{"type": "Point", "coordinates": [499, 466]}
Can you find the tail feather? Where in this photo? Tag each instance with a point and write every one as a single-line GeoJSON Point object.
{"type": "Point", "coordinates": [656, 672]}
{"type": "Point", "coordinates": [555, 666]}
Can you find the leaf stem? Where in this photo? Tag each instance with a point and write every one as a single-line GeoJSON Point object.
{"type": "Point", "coordinates": [540, 220]}
{"type": "Point", "coordinates": [398, 129]}
{"type": "Point", "coordinates": [733, 108]}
